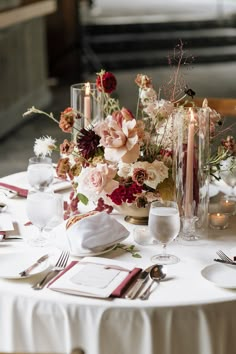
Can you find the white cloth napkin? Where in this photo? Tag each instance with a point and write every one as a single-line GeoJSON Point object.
{"type": "Point", "coordinates": [95, 233]}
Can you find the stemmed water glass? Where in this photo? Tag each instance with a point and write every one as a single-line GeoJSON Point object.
{"type": "Point", "coordinates": [40, 172]}
{"type": "Point", "coordinates": [164, 226]}
{"type": "Point", "coordinates": [44, 210]}
{"type": "Point", "coordinates": [228, 175]}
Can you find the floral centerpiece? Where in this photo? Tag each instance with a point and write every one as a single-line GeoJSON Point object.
{"type": "Point", "coordinates": [125, 159]}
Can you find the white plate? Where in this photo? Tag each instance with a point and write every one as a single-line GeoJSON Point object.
{"type": "Point", "coordinates": [221, 275]}
{"type": "Point", "coordinates": [11, 264]}
{"type": "Point", "coordinates": [91, 253]}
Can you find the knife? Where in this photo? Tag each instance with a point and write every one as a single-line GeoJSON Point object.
{"type": "Point", "coordinates": [138, 285]}
{"type": "Point", "coordinates": [26, 272]}
{"type": "Point", "coordinates": [225, 262]}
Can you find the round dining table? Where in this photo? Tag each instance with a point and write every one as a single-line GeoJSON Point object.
{"type": "Point", "coordinates": [186, 313]}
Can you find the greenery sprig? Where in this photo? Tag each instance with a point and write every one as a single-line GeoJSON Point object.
{"type": "Point", "coordinates": [128, 248]}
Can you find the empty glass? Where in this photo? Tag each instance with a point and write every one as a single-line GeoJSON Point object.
{"type": "Point", "coordinates": [40, 172]}
{"type": "Point", "coordinates": [164, 226]}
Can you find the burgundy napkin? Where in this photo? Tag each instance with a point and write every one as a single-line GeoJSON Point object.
{"type": "Point", "coordinates": [20, 191]}
{"type": "Point", "coordinates": [119, 291]}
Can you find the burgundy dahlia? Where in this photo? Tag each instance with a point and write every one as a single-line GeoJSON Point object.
{"type": "Point", "coordinates": [87, 143]}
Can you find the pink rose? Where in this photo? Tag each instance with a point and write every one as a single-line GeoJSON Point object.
{"type": "Point", "coordinates": [96, 180]}
{"type": "Point", "coordinates": [119, 138]}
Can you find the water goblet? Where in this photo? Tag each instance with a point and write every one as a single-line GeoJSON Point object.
{"type": "Point", "coordinates": [228, 175]}
{"type": "Point", "coordinates": [164, 226]}
{"type": "Point", "coordinates": [45, 211]}
{"type": "Point", "coordinates": [40, 172]}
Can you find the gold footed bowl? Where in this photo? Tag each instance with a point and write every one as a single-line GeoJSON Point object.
{"type": "Point", "coordinates": [133, 214]}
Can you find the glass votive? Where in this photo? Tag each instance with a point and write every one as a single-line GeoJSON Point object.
{"type": "Point", "coordinates": [141, 235]}
{"type": "Point", "coordinates": [219, 221]}
{"type": "Point", "coordinates": [227, 206]}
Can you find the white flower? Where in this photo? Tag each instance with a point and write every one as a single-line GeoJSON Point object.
{"type": "Point", "coordinates": [157, 172]}
{"type": "Point", "coordinates": [44, 146]}
{"type": "Point", "coordinates": [161, 109]}
{"type": "Point", "coordinates": [148, 95]}
{"type": "Point", "coordinates": [124, 169]}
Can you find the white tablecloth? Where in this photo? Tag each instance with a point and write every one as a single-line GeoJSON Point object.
{"type": "Point", "coordinates": [185, 314]}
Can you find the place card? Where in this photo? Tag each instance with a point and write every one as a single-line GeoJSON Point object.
{"type": "Point", "coordinates": [110, 282]}
{"type": "Point", "coordinates": [6, 223]}
{"type": "Point", "coordinates": [95, 276]}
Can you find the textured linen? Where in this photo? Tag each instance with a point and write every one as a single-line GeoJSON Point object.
{"type": "Point", "coordinates": [184, 314]}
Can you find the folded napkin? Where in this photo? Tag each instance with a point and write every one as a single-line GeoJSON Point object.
{"type": "Point", "coordinates": [116, 288]}
{"type": "Point", "coordinates": [20, 191]}
{"type": "Point", "coordinates": [94, 231]}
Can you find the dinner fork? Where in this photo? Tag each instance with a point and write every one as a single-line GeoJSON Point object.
{"type": "Point", "coordinates": [224, 257]}
{"type": "Point", "coordinates": [59, 266]}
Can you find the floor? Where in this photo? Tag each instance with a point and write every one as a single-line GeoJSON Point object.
{"type": "Point", "coordinates": [206, 80]}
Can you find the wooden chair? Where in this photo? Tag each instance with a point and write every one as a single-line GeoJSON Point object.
{"type": "Point", "coordinates": [225, 106]}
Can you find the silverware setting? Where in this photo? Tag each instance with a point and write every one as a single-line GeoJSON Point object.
{"type": "Point", "coordinates": [27, 271]}
{"type": "Point", "coordinates": [224, 262]}
{"type": "Point", "coordinates": [138, 285]}
{"type": "Point", "coordinates": [59, 266]}
{"type": "Point", "coordinates": [156, 274]}
{"type": "Point", "coordinates": [136, 289]}
{"type": "Point", "coordinates": [224, 258]}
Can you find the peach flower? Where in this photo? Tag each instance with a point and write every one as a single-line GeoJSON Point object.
{"type": "Point", "coordinates": [119, 138]}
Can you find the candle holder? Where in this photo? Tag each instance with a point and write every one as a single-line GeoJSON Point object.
{"type": "Point", "coordinates": [191, 171]}
{"type": "Point", "coordinates": [87, 101]}
{"type": "Point", "coordinates": [219, 221]}
{"type": "Point", "coordinates": [227, 206]}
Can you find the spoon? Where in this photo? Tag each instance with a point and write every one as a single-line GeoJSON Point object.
{"type": "Point", "coordinates": [157, 273]}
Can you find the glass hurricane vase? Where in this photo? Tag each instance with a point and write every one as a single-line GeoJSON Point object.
{"type": "Point", "coordinates": [191, 170]}
{"type": "Point", "coordinates": [87, 101]}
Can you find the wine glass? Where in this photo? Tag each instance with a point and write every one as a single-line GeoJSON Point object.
{"type": "Point", "coordinates": [40, 172]}
{"type": "Point", "coordinates": [44, 210]}
{"type": "Point", "coordinates": [164, 226]}
{"type": "Point", "coordinates": [228, 175]}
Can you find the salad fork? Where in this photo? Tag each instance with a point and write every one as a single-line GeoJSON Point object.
{"type": "Point", "coordinates": [224, 257]}
{"type": "Point", "coordinates": [59, 266]}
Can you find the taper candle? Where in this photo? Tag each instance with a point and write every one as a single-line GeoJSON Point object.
{"type": "Point", "coordinates": [87, 105]}
{"type": "Point", "coordinates": [189, 168]}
